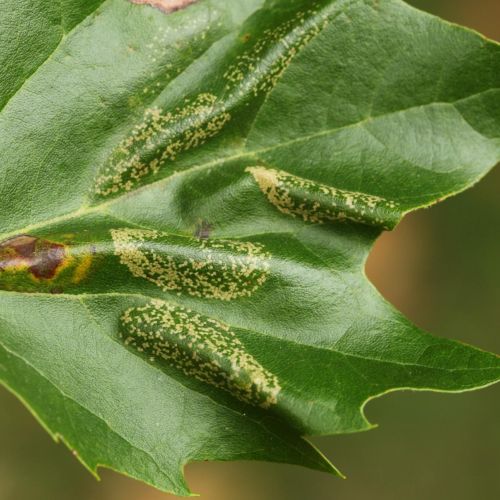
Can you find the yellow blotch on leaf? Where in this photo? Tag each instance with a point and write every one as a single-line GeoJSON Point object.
{"type": "Point", "coordinates": [82, 269]}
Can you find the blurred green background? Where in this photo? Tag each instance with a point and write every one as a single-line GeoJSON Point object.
{"type": "Point", "coordinates": [441, 268]}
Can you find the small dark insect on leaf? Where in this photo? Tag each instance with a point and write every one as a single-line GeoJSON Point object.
{"type": "Point", "coordinates": [203, 230]}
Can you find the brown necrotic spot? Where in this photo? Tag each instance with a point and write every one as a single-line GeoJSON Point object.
{"type": "Point", "coordinates": [166, 5]}
{"type": "Point", "coordinates": [42, 258]}
{"type": "Point", "coordinates": [23, 246]}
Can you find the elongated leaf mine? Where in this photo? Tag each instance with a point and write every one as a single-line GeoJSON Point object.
{"type": "Point", "coordinates": [201, 347]}
{"type": "Point", "coordinates": [205, 268]}
{"type": "Point", "coordinates": [158, 140]}
{"type": "Point", "coordinates": [258, 69]}
{"type": "Point", "coordinates": [318, 203]}
{"type": "Point", "coordinates": [163, 135]}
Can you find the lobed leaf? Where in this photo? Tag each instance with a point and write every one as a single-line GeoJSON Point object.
{"type": "Point", "coordinates": [186, 206]}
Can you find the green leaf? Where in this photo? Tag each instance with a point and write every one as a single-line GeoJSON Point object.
{"type": "Point", "coordinates": [187, 201]}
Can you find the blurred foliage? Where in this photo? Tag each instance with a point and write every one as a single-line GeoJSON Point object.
{"type": "Point", "coordinates": [441, 268]}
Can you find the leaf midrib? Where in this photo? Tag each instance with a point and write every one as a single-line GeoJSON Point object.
{"type": "Point", "coordinates": [79, 297]}
{"type": "Point", "coordinates": [346, 355]}
{"type": "Point", "coordinates": [184, 386]}
{"type": "Point", "coordinates": [100, 207]}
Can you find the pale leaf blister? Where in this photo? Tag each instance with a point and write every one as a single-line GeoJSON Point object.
{"type": "Point", "coordinates": [258, 69]}
{"type": "Point", "coordinates": [207, 268]}
{"type": "Point", "coordinates": [201, 347]}
{"type": "Point", "coordinates": [158, 140]}
{"type": "Point", "coordinates": [318, 203]}
{"type": "Point", "coordinates": [163, 135]}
